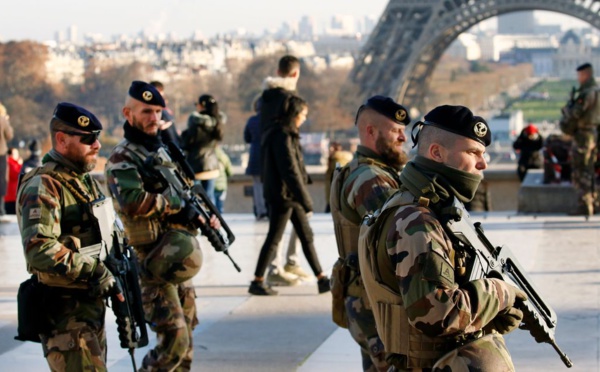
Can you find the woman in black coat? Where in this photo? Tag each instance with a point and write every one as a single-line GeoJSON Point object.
{"type": "Point", "coordinates": [285, 189]}
{"type": "Point", "coordinates": [200, 140]}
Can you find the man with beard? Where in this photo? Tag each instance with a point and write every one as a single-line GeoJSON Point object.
{"type": "Point", "coordinates": [157, 224]}
{"type": "Point", "coordinates": [56, 219]}
{"type": "Point", "coordinates": [360, 188]}
{"type": "Point", "coordinates": [430, 315]}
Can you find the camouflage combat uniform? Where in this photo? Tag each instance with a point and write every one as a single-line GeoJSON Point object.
{"type": "Point", "coordinates": [428, 316]}
{"type": "Point", "coordinates": [169, 254]}
{"type": "Point", "coordinates": [55, 222]}
{"type": "Point", "coordinates": [366, 183]}
{"type": "Point", "coordinates": [585, 112]}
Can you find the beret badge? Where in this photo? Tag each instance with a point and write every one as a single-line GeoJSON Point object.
{"type": "Point", "coordinates": [147, 95]}
{"type": "Point", "coordinates": [83, 121]}
{"type": "Point", "coordinates": [480, 129]}
{"type": "Point", "coordinates": [400, 115]}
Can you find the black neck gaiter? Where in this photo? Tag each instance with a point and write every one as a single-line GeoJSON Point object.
{"type": "Point", "coordinates": [132, 134]}
{"type": "Point", "coordinates": [438, 182]}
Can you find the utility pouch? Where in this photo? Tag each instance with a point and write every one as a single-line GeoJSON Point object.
{"type": "Point", "coordinates": [30, 304]}
{"type": "Point", "coordinates": [339, 276]}
{"type": "Point", "coordinates": [487, 353]}
{"type": "Point", "coordinates": [142, 231]}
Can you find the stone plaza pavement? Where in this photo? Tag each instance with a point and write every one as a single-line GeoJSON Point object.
{"type": "Point", "coordinates": [293, 331]}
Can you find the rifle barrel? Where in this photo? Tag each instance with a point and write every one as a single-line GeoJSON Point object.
{"type": "Point", "coordinates": [563, 356]}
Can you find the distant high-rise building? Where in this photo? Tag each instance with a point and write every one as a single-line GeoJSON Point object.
{"type": "Point", "coordinates": [342, 25]}
{"type": "Point", "coordinates": [59, 36]}
{"type": "Point", "coordinates": [517, 23]}
{"type": "Point", "coordinates": [72, 34]}
{"type": "Point", "coordinates": [370, 22]}
{"type": "Point", "coordinates": [306, 28]}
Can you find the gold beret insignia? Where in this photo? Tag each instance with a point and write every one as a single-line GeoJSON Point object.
{"type": "Point", "coordinates": [83, 121]}
{"type": "Point", "coordinates": [147, 95]}
{"type": "Point", "coordinates": [400, 115]}
{"type": "Point", "coordinates": [480, 129]}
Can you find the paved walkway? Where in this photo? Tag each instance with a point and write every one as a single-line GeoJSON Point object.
{"type": "Point", "coordinates": [293, 331]}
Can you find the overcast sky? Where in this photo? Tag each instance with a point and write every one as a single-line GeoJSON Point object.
{"type": "Point", "coordinates": [40, 19]}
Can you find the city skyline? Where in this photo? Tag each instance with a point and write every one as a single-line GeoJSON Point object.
{"type": "Point", "coordinates": [186, 17]}
{"type": "Point", "coordinates": [182, 17]}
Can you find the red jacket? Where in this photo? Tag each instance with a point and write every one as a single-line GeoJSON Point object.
{"type": "Point", "coordinates": [14, 168]}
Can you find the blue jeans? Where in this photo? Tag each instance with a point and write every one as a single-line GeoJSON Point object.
{"type": "Point", "coordinates": [209, 188]}
{"type": "Point", "coordinates": [220, 196]}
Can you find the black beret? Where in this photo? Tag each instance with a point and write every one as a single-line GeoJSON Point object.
{"type": "Point", "coordinates": [460, 120]}
{"type": "Point", "coordinates": [205, 99]}
{"type": "Point", "coordinates": [77, 117]}
{"type": "Point", "coordinates": [386, 107]}
{"type": "Point", "coordinates": [146, 93]}
{"type": "Point", "coordinates": [585, 66]}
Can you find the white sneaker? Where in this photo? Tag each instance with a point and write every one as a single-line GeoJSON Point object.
{"type": "Point", "coordinates": [297, 270]}
{"type": "Point", "coordinates": [281, 278]}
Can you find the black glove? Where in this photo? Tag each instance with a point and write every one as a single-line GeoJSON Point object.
{"type": "Point", "coordinates": [186, 216]}
{"type": "Point", "coordinates": [102, 282]}
{"type": "Point", "coordinates": [506, 321]}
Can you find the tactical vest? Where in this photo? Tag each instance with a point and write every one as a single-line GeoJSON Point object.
{"type": "Point", "coordinates": [140, 231]}
{"type": "Point", "coordinates": [346, 229]}
{"type": "Point", "coordinates": [591, 118]}
{"type": "Point", "coordinates": [79, 227]}
{"type": "Point", "coordinates": [415, 348]}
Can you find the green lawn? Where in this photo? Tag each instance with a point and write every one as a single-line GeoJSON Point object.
{"type": "Point", "coordinates": [539, 110]}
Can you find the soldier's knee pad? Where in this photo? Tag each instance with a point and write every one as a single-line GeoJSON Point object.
{"type": "Point", "coordinates": [176, 258]}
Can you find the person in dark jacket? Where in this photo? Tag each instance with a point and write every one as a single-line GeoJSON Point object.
{"type": "Point", "coordinates": [203, 134]}
{"type": "Point", "coordinates": [168, 132]}
{"type": "Point", "coordinates": [252, 136]}
{"type": "Point", "coordinates": [528, 145]}
{"type": "Point", "coordinates": [285, 189]}
{"type": "Point", "coordinates": [34, 160]}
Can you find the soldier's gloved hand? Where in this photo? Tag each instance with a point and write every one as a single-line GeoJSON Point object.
{"type": "Point", "coordinates": [514, 294]}
{"type": "Point", "coordinates": [506, 321]}
{"type": "Point", "coordinates": [103, 283]}
{"type": "Point", "coordinates": [185, 216]}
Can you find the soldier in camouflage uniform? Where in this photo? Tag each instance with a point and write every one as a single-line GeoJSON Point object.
{"type": "Point", "coordinates": [360, 188]}
{"type": "Point", "coordinates": [581, 118]}
{"type": "Point", "coordinates": [429, 315]}
{"type": "Point", "coordinates": [155, 221]}
{"type": "Point", "coordinates": [56, 221]}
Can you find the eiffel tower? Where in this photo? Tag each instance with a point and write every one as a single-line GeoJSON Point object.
{"type": "Point", "coordinates": [411, 36]}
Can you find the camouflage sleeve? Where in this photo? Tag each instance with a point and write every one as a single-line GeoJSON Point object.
{"type": "Point", "coordinates": [127, 187]}
{"type": "Point", "coordinates": [583, 104]}
{"type": "Point", "coordinates": [422, 256]}
{"type": "Point", "coordinates": [39, 217]}
{"type": "Point", "coordinates": [367, 189]}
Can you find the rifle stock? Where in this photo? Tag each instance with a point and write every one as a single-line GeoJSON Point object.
{"type": "Point", "coordinates": [499, 262]}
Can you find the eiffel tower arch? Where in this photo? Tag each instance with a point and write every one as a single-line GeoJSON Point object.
{"type": "Point", "coordinates": [404, 48]}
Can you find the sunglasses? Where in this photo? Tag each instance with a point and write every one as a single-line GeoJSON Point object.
{"type": "Point", "coordinates": [86, 138]}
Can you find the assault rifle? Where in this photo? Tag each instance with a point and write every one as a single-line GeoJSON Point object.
{"type": "Point", "coordinates": [499, 262]}
{"type": "Point", "coordinates": [567, 123]}
{"type": "Point", "coordinates": [192, 195]}
{"type": "Point", "coordinates": [131, 323]}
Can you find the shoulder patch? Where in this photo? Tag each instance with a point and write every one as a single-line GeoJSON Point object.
{"type": "Point", "coordinates": [35, 213]}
